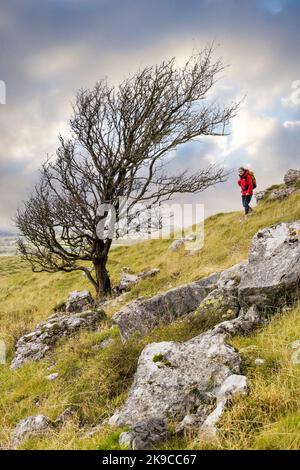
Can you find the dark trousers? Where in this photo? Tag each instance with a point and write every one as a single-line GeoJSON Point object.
{"type": "Point", "coordinates": [246, 201]}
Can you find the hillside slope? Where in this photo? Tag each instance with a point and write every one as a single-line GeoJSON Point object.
{"type": "Point", "coordinates": [95, 381]}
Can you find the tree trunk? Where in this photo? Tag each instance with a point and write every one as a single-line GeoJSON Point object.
{"type": "Point", "coordinates": [103, 285]}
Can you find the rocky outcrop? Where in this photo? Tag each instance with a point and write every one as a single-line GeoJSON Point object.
{"type": "Point", "coordinates": [272, 277]}
{"type": "Point", "coordinates": [222, 302]}
{"type": "Point", "coordinates": [260, 195]}
{"type": "Point", "coordinates": [281, 193]}
{"type": "Point", "coordinates": [28, 427]}
{"type": "Point", "coordinates": [191, 382]}
{"type": "Point", "coordinates": [128, 279]}
{"type": "Point", "coordinates": [38, 425]}
{"type": "Point", "coordinates": [79, 301]}
{"type": "Point", "coordinates": [145, 434]}
{"type": "Point", "coordinates": [292, 177]}
{"type": "Point", "coordinates": [216, 293]}
{"type": "Point", "coordinates": [176, 244]}
{"type": "Point", "coordinates": [142, 315]}
{"type": "Point", "coordinates": [34, 346]}
{"type": "Point", "coordinates": [188, 382]}
{"type": "Point", "coordinates": [291, 185]}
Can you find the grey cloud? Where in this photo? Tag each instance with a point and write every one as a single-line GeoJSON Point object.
{"type": "Point", "coordinates": [53, 47]}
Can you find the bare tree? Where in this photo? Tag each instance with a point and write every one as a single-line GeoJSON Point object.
{"type": "Point", "coordinates": [119, 138]}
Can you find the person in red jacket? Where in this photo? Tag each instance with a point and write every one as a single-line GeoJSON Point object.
{"type": "Point", "coordinates": [246, 184]}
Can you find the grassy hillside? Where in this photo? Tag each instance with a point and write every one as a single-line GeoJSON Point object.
{"type": "Point", "coordinates": [95, 381]}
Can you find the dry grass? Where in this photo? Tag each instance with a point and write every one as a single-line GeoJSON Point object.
{"type": "Point", "coordinates": [95, 382]}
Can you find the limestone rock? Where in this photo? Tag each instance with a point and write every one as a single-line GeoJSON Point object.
{"type": "Point", "coordinates": [126, 439]}
{"type": "Point", "coordinates": [145, 434]}
{"type": "Point", "coordinates": [233, 385]}
{"type": "Point", "coordinates": [29, 427]}
{"type": "Point", "coordinates": [52, 376]}
{"type": "Point", "coordinates": [259, 196]}
{"type": "Point", "coordinates": [231, 277]}
{"type": "Point", "coordinates": [282, 193]}
{"type": "Point", "coordinates": [292, 177]}
{"type": "Point", "coordinates": [176, 244]}
{"type": "Point", "coordinates": [272, 277]}
{"type": "Point", "coordinates": [189, 383]}
{"type": "Point", "coordinates": [259, 361]}
{"type": "Point", "coordinates": [64, 417]}
{"type": "Point", "coordinates": [220, 303]}
{"type": "Point", "coordinates": [141, 316]}
{"type": "Point", "coordinates": [79, 301]}
{"type": "Point", "coordinates": [35, 345]}
{"type": "Point", "coordinates": [128, 279]}
{"type": "Point", "coordinates": [223, 302]}
{"type": "Point", "coordinates": [103, 344]}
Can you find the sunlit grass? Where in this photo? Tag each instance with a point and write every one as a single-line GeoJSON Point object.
{"type": "Point", "coordinates": [94, 382]}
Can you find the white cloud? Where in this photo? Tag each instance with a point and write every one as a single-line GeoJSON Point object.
{"type": "Point", "coordinates": [293, 100]}
{"type": "Point", "coordinates": [291, 124]}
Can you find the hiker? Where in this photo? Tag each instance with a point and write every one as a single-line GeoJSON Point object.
{"type": "Point", "coordinates": [247, 185]}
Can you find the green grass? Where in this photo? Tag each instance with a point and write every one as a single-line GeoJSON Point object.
{"type": "Point", "coordinates": [269, 417]}
{"type": "Point", "coordinates": [94, 382]}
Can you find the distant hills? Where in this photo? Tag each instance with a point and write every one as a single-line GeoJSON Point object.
{"type": "Point", "coordinates": [8, 240]}
{"type": "Point", "coordinates": [8, 233]}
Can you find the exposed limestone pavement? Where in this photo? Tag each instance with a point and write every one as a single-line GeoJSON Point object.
{"type": "Point", "coordinates": [142, 315]}
{"type": "Point", "coordinates": [291, 185]}
{"type": "Point", "coordinates": [191, 382]}
{"type": "Point", "coordinates": [188, 382]}
{"type": "Point", "coordinates": [37, 425]}
{"type": "Point", "coordinates": [272, 277]}
{"type": "Point", "coordinates": [34, 346]}
{"type": "Point", "coordinates": [216, 293]}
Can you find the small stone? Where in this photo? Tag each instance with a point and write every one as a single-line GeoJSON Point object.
{"type": "Point", "coordinates": [176, 244]}
{"type": "Point", "coordinates": [52, 376]}
{"type": "Point", "coordinates": [128, 279]}
{"type": "Point", "coordinates": [103, 344]}
{"type": "Point", "coordinates": [28, 427]}
{"type": "Point", "coordinates": [65, 416]}
{"type": "Point", "coordinates": [259, 361]}
{"type": "Point", "coordinates": [126, 439]}
{"type": "Point", "coordinates": [79, 301]}
{"type": "Point", "coordinates": [145, 434]}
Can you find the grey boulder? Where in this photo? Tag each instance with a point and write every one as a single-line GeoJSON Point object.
{"type": "Point", "coordinates": [272, 277]}
{"type": "Point", "coordinates": [28, 427]}
{"type": "Point", "coordinates": [260, 195]}
{"type": "Point", "coordinates": [216, 293]}
{"type": "Point", "coordinates": [188, 382]}
{"type": "Point", "coordinates": [176, 244]}
{"type": "Point", "coordinates": [79, 301]}
{"type": "Point", "coordinates": [142, 315]}
{"type": "Point", "coordinates": [145, 434]}
{"type": "Point", "coordinates": [222, 302]}
{"type": "Point", "coordinates": [35, 345]}
{"type": "Point", "coordinates": [292, 177]}
{"type": "Point", "coordinates": [128, 279]}
{"type": "Point", "coordinates": [282, 193]}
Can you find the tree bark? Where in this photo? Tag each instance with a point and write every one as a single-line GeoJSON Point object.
{"type": "Point", "coordinates": [103, 284]}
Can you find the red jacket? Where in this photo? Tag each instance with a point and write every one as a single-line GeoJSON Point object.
{"type": "Point", "coordinates": [246, 184]}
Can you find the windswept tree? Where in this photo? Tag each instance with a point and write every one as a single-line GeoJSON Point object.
{"type": "Point", "coordinates": [120, 137]}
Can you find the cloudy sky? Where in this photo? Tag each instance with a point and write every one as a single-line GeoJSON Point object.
{"type": "Point", "coordinates": [51, 48]}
